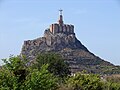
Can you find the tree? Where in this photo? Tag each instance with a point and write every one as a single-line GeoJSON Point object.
{"type": "Point", "coordinates": [15, 75]}
{"type": "Point", "coordinates": [57, 65]}
{"type": "Point", "coordinates": [85, 82]}
{"type": "Point", "coordinates": [17, 66]}
{"type": "Point", "coordinates": [7, 80]}
{"type": "Point", "coordinates": [41, 80]}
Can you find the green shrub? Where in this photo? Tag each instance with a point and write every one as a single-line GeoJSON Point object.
{"type": "Point", "coordinates": [85, 82]}
{"type": "Point", "coordinates": [57, 65]}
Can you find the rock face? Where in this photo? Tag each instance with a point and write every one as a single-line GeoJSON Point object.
{"type": "Point", "coordinates": [51, 42]}
{"type": "Point", "coordinates": [62, 40]}
{"type": "Point", "coordinates": [72, 50]}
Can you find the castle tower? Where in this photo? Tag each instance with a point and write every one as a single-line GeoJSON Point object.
{"type": "Point", "coordinates": [60, 21]}
{"type": "Point", "coordinates": [60, 27]}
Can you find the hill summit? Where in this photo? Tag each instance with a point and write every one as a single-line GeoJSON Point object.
{"type": "Point", "coordinates": [60, 38]}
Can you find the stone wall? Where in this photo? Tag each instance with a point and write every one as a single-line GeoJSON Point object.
{"type": "Point", "coordinates": [65, 28]}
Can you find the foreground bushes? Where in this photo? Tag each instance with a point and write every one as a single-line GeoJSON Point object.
{"type": "Point", "coordinates": [15, 75]}
{"type": "Point", "coordinates": [49, 72]}
{"type": "Point", "coordinates": [81, 81]}
{"type": "Point", "coordinates": [85, 82]}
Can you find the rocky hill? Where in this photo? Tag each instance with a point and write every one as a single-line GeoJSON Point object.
{"type": "Point", "coordinates": [72, 50]}
{"type": "Point", "coordinates": [60, 38]}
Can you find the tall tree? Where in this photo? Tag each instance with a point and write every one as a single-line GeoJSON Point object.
{"type": "Point", "coordinates": [57, 65]}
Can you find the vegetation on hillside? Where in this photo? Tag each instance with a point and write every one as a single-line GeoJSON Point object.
{"type": "Point", "coordinates": [50, 72]}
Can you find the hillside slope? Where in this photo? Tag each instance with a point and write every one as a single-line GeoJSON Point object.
{"type": "Point", "coordinates": [71, 49]}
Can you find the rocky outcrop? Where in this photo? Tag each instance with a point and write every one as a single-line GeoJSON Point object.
{"type": "Point", "coordinates": [51, 42]}
{"type": "Point", "coordinates": [71, 49]}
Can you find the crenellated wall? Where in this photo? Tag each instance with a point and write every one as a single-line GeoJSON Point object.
{"type": "Point", "coordinates": [65, 28]}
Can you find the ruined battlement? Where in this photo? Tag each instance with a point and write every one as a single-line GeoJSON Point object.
{"type": "Point", "coordinates": [65, 28]}
{"type": "Point", "coordinates": [60, 27]}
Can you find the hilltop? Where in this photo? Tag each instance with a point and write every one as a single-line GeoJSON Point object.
{"type": "Point", "coordinates": [60, 38]}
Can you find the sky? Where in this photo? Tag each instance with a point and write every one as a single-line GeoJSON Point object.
{"type": "Point", "coordinates": [97, 24]}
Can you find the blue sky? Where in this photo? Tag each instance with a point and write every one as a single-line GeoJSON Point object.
{"type": "Point", "coordinates": [97, 24]}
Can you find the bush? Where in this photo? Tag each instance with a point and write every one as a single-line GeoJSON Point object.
{"type": "Point", "coordinates": [41, 80]}
{"type": "Point", "coordinates": [57, 65]}
{"type": "Point", "coordinates": [15, 75]}
{"type": "Point", "coordinates": [84, 82]}
{"type": "Point", "coordinates": [43, 75]}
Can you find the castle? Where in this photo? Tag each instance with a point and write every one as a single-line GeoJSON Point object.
{"type": "Point", "coordinates": [60, 27]}
{"type": "Point", "coordinates": [54, 30]}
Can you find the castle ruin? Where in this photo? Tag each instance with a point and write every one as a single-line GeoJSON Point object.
{"type": "Point", "coordinates": [60, 27]}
